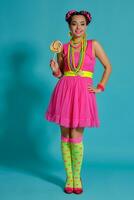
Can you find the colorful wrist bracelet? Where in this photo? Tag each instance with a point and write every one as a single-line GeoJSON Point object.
{"type": "Point", "coordinates": [100, 86]}
{"type": "Point", "coordinates": [60, 76]}
{"type": "Point", "coordinates": [56, 74]}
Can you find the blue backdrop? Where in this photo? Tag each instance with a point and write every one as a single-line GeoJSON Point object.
{"type": "Point", "coordinates": [26, 84]}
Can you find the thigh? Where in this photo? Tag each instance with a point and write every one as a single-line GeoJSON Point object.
{"type": "Point", "coordinates": [65, 131]}
{"type": "Point", "coordinates": [77, 132]}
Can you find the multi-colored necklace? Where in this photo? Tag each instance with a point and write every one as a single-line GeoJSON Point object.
{"type": "Point", "coordinates": [75, 46]}
{"type": "Point", "coordinates": [70, 55]}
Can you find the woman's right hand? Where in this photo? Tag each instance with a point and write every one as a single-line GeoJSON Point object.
{"type": "Point", "coordinates": [54, 65]}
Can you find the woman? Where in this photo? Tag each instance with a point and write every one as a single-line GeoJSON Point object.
{"type": "Point", "coordinates": [73, 101]}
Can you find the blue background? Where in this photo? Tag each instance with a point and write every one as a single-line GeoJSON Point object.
{"type": "Point", "coordinates": [30, 159]}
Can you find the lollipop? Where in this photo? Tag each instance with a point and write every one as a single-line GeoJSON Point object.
{"type": "Point", "coordinates": [56, 47]}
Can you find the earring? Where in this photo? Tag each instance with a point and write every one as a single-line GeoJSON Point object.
{"type": "Point", "coordinates": [85, 35]}
{"type": "Point", "coordinates": [70, 34]}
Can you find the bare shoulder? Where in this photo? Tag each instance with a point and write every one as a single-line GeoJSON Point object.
{"type": "Point", "coordinates": [97, 47]}
{"type": "Point", "coordinates": [101, 54]}
{"type": "Point", "coordinates": [96, 43]}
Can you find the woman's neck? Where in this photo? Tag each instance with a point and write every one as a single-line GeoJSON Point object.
{"type": "Point", "coordinates": [77, 39]}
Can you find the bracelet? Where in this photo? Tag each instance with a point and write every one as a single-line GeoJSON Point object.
{"type": "Point", "coordinates": [60, 76]}
{"type": "Point", "coordinates": [56, 74]}
{"type": "Point", "coordinates": [100, 86]}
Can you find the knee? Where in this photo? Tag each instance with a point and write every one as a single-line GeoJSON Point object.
{"type": "Point", "coordinates": [76, 132]}
{"type": "Point", "coordinates": [65, 131]}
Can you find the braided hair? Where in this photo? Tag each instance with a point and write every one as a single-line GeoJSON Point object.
{"type": "Point", "coordinates": [86, 14]}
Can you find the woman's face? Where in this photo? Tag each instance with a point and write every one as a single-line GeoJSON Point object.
{"type": "Point", "coordinates": [78, 25]}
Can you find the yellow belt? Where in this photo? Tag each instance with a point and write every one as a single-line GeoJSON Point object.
{"type": "Point", "coordinates": [79, 73]}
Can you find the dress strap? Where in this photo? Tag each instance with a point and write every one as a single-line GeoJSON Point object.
{"type": "Point", "coordinates": [65, 49]}
{"type": "Point", "coordinates": [89, 48]}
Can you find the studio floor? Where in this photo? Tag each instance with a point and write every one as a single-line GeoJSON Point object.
{"type": "Point", "coordinates": [19, 181]}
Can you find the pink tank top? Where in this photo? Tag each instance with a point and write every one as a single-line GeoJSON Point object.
{"type": "Point", "coordinates": [89, 61]}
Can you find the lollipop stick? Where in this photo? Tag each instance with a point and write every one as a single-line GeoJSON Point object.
{"type": "Point", "coordinates": [54, 55]}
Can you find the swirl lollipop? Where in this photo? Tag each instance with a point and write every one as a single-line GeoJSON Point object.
{"type": "Point", "coordinates": [56, 47]}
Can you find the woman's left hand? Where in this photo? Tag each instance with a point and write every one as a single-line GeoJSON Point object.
{"type": "Point", "coordinates": [93, 89]}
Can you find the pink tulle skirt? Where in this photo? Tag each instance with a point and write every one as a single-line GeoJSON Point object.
{"type": "Point", "coordinates": [72, 105]}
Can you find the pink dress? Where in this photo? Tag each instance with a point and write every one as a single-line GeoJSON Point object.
{"type": "Point", "coordinates": [71, 104]}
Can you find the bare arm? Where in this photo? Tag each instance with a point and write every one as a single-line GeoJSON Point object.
{"type": "Point", "coordinates": [99, 52]}
{"type": "Point", "coordinates": [60, 61]}
{"type": "Point", "coordinates": [101, 55]}
{"type": "Point", "coordinates": [57, 66]}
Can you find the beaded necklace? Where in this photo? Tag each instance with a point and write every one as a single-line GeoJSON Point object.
{"type": "Point", "coordinates": [70, 54]}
